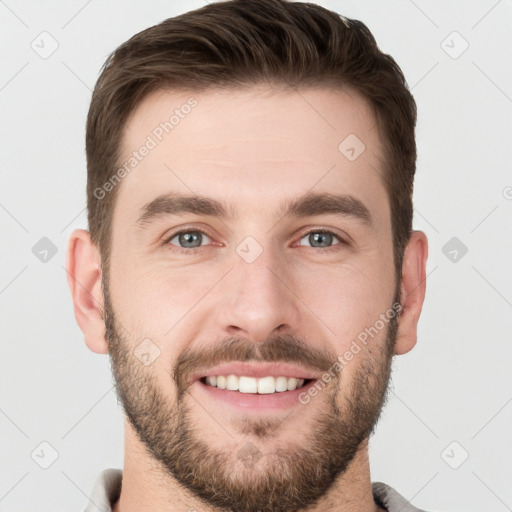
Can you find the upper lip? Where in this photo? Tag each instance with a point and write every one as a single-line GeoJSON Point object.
{"type": "Point", "coordinates": [256, 370]}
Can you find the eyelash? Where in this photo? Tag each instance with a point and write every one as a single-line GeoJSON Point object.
{"type": "Point", "coordinates": [195, 250]}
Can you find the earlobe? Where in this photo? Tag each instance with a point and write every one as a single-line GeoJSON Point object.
{"type": "Point", "coordinates": [412, 291]}
{"type": "Point", "coordinates": [83, 268]}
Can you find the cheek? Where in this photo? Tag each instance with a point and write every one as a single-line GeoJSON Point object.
{"type": "Point", "coordinates": [157, 295]}
{"type": "Point", "coordinates": [348, 299]}
{"type": "Point", "coordinates": [153, 308]}
{"type": "Point", "coordinates": [159, 304]}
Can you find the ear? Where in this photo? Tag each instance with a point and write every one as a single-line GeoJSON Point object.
{"type": "Point", "coordinates": [83, 267]}
{"type": "Point", "coordinates": [412, 291]}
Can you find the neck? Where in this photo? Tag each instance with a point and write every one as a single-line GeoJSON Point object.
{"type": "Point", "coordinates": [147, 486]}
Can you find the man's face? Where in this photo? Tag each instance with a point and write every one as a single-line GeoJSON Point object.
{"type": "Point", "coordinates": [257, 299]}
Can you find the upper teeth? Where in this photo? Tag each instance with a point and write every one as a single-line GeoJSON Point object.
{"type": "Point", "coordinates": [244, 384]}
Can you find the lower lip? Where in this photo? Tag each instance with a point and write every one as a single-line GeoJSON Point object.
{"type": "Point", "coordinates": [253, 401]}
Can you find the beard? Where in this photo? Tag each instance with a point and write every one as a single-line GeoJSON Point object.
{"type": "Point", "coordinates": [292, 476]}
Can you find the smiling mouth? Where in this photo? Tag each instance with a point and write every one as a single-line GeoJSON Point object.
{"type": "Point", "coordinates": [252, 385]}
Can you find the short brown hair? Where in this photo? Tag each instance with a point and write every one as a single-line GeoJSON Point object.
{"type": "Point", "coordinates": [241, 43]}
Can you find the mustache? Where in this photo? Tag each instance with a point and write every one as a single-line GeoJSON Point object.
{"type": "Point", "coordinates": [280, 348]}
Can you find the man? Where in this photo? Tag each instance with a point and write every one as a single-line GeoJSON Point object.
{"type": "Point", "coordinates": [251, 267]}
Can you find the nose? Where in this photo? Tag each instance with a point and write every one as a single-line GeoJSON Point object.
{"type": "Point", "coordinates": [258, 299]}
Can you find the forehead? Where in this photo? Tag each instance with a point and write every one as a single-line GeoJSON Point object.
{"type": "Point", "coordinates": [250, 145]}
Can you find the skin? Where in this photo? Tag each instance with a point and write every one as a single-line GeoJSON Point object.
{"type": "Point", "coordinates": [252, 148]}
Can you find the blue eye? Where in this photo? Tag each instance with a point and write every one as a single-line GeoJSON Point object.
{"type": "Point", "coordinates": [188, 239]}
{"type": "Point", "coordinates": [320, 239]}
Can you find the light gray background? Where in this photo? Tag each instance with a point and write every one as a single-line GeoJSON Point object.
{"type": "Point", "coordinates": [454, 386]}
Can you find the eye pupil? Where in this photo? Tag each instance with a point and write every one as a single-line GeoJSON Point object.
{"type": "Point", "coordinates": [325, 239]}
{"type": "Point", "coordinates": [190, 237]}
{"type": "Point", "coordinates": [193, 239]}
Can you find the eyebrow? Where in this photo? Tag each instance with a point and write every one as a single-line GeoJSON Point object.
{"type": "Point", "coordinates": [308, 205]}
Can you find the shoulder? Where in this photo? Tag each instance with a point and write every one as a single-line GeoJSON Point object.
{"type": "Point", "coordinates": [389, 499]}
{"type": "Point", "coordinates": [106, 490]}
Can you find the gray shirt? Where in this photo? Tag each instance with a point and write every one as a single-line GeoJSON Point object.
{"type": "Point", "coordinates": [108, 486]}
